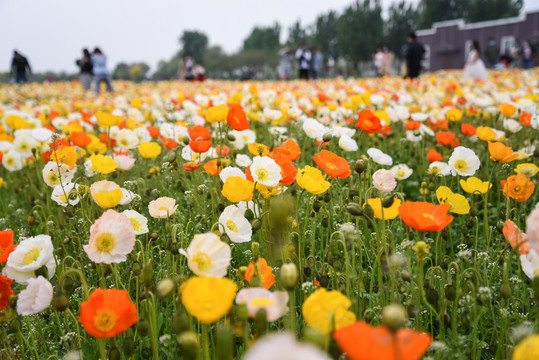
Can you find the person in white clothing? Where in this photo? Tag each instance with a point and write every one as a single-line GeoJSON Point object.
{"type": "Point", "coordinates": [101, 73]}
{"type": "Point", "coordinates": [474, 67]}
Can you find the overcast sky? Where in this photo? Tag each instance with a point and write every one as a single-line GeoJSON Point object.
{"type": "Point", "coordinates": [51, 33]}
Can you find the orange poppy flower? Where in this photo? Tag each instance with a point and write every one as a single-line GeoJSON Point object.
{"type": "Point", "coordinates": [360, 341]}
{"type": "Point", "coordinates": [334, 165]}
{"type": "Point", "coordinates": [264, 272]}
{"type": "Point", "coordinates": [236, 118]}
{"type": "Point", "coordinates": [441, 124]}
{"type": "Point", "coordinates": [65, 155]}
{"type": "Point", "coordinates": [288, 170]}
{"type": "Point", "coordinates": [152, 130]}
{"type": "Point", "coordinates": [445, 137]}
{"type": "Point", "coordinates": [105, 140]}
{"type": "Point", "coordinates": [5, 291]}
{"type": "Point", "coordinates": [58, 143]}
{"type": "Point", "coordinates": [467, 129]}
{"type": "Point", "coordinates": [191, 165]}
{"type": "Point", "coordinates": [501, 153]}
{"type": "Point", "coordinates": [168, 143]}
{"type": "Point", "coordinates": [258, 149]}
{"type": "Point", "coordinates": [80, 139]}
{"type": "Point", "coordinates": [200, 146]}
{"type": "Point", "coordinates": [412, 125]}
{"type": "Point", "coordinates": [292, 146]}
{"type": "Point", "coordinates": [368, 122]}
{"type": "Point", "coordinates": [433, 155]}
{"type": "Point", "coordinates": [424, 216]}
{"type": "Point", "coordinates": [517, 239]}
{"type": "Point", "coordinates": [507, 109]}
{"type": "Point", "coordinates": [518, 187]}
{"type": "Point", "coordinates": [224, 152]}
{"type": "Point", "coordinates": [214, 167]}
{"type": "Point", "coordinates": [525, 119]}
{"type": "Point", "coordinates": [6, 244]}
{"type": "Point", "coordinates": [323, 97]}
{"type": "Point", "coordinates": [107, 313]}
{"type": "Point", "coordinates": [199, 133]}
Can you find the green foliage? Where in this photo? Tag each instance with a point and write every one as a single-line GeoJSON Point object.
{"type": "Point", "coordinates": [325, 34]}
{"type": "Point", "coordinates": [298, 35]}
{"type": "Point", "coordinates": [263, 38]}
{"type": "Point", "coordinates": [134, 72]}
{"type": "Point", "coordinates": [194, 43]}
{"type": "Point", "coordinates": [121, 71]}
{"type": "Point", "coordinates": [481, 10]}
{"type": "Point", "coordinates": [402, 20]}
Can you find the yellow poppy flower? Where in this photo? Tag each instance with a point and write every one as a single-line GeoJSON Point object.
{"type": "Point", "coordinates": [103, 164]}
{"type": "Point", "coordinates": [237, 189]}
{"type": "Point", "coordinates": [200, 300]}
{"type": "Point", "coordinates": [485, 133]}
{"type": "Point", "coordinates": [527, 348]}
{"type": "Point", "coordinates": [324, 306]}
{"type": "Point", "coordinates": [106, 120]}
{"type": "Point", "coordinates": [217, 114]}
{"type": "Point", "coordinates": [149, 149]}
{"type": "Point", "coordinates": [507, 109]}
{"type": "Point", "coordinates": [388, 212]}
{"type": "Point", "coordinates": [458, 203]}
{"type": "Point", "coordinates": [453, 115]}
{"type": "Point", "coordinates": [312, 180]}
{"type": "Point", "coordinates": [268, 191]}
{"type": "Point", "coordinates": [65, 155]}
{"type": "Point", "coordinates": [527, 169]}
{"type": "Point", "coordinates": [474, 185]}
{"type": "Point", "coordinates": [501, 153]}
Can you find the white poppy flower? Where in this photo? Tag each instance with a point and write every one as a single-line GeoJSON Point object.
{"type": "Point", "coordinates": [347, 143]}
{"type": "Point", "coordinates": [207, 255]}
{"type": "Point", "coordinates": [231, 171]}
{"type": "Point", "coordinates": [265, 171]}
{"type": "Point", "coordinates": [35, 298]}
{"type": "Point", "coordinates": [274, 303]}
{"type": "Point", "coordinates": [401, 172]}
{"type": "Point", "coordinates": [54, 173]}
{"type": "Point", "coordinates": [463, 161]}
{"type": "Point", "coordinates": [379, 157]}
{"type": "Point", "coordinates": [236, 226]}
{"type": "Point", "coordinates": [139, 221]}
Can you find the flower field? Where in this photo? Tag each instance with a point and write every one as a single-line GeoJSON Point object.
{"type": "Point", "coordinates": [342, 219]}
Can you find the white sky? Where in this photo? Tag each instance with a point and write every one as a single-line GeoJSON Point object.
{"type": "Point", "coordinates": [51, 33]}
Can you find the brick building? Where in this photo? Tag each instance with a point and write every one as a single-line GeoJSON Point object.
{"type": "Point", "coordinates": [447, 42]}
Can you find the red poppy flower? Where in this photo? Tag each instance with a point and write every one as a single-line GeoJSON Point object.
{"type": "Point", "coordinates": [168, 143]}
{"type": "Point", "coordinates": [199, 133]}
{"type": "Point", "coordinates": [105, 140]}
{"type": "Point", "coordinates": [236, 118]}
{"type": "Point", "coordinates": [200, 146]}
{"type": "Point", "coordinates": [360, 341]}
{"type": "Point", "coordinates": [368, 122]}
{"type": "Point", "coordinates": [191, 165]}
{"type": "Point", "coordinates": [6, 245]}
{"type": "Point", "coordinates": [288, 170]}
{"type": "Point", "coordinates": [152, 130]}
{"type": "Point", "coordinates": [424, 216]}
{"type": "Point", "coordinates": [292, 146]}
{"type": "Point", "coordinates": [525, 118]}
{"type": "Point", "coordinates": [467, 129]}
{"type": "Point", "coordinates": [5, 291]}
{"type": "Point", "coordinates": [80, 138]}
{"type": "Point", "coordinates": [323, 97]}
{"type": "Point", "coordinates": [334, 165]}
{"type": "Point", "coordinates": [445, 137]}
{"type": "Point", "coordinates": [224, 152]}
{"type": "Point", "coordinates": [412, 125]}
{"type": "Point", "coordinates": [266, 276]}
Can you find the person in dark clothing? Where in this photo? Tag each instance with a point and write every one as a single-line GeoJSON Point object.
{"type": "Point", "coordinates": [414, 54]}
{"type": "Point", "coordinates": [86, 69]}
{"type": "Point", "coordinates": [303, 56]}
{"type": "Point", "coordinates": [19, 65]}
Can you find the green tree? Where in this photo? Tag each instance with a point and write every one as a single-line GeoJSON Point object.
{"type": "Point", "coordinates": [121, 71]}
{"type": "Point", "coordinates": [297, 35]}
{"type": "Point", "coordinates": [481, 10]}
{"type": "Point", "coordinates": [402, 19]}
{"type": "Point", "coordinates": [440, 10]}
{"type": "Point", "coordinates": [263, 38]}
{"type": "Point", "coordinates": [360, 30]}
{"type": "Point", "coordinates": [325, 34]}
{"type": "Point", "coordinates": [194, 43]}
{"type": "Point", "coordinates": [138, 71]}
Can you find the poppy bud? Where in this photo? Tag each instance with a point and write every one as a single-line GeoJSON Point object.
{"type": "Point", "coordinates": [243, 312]}
{"type": "Point", "coordinates": [499, 226]}
{"type": "Point", "coordinates": [470, 223]}
{"type": "Point", "coordinates": [317, 205]}
{"type": "Point", "coordinates": [324, 281]}
{"type": "Point", "coordinates": [289, 276]}
{"type": "Point", "coordinates": [394, 316]}
{"type": "Point", "coordinates": [155, 193]}
{"type": "Point", "coordinates": [189, 343]}
{"type": "Point", "coordinates": [30, 220]}
{"type": "Point", "coordinates": [327, 137]}
{"type": "Point", "coordinates": [432, 297]}
{"type": "Point", "coordinates": [307, 271]}
{"type": "Point", "coordinates": [354, 209]}
{"type": "Point", "coordinates": [12, 301]}
{"type": "Point", "coordinates": [170, 156]}
{"type": "Point", "coordinates": [369, 315]}
{"type": "Point", "coordinates": [473, 211]}
{"type": "Point", "coordinates": [14, 326]}
{"type": "Point", "coordinates": [255, 249]}
{"type": "Point", "coordinates": [165, 287]}
{"type": "Point", "coordinates": [135, 268]}
{"type": "Point", "coordinates": [180, 322]}
{"type": "Point", "coordinates": [231, 137]}
{"type": "Point", "coordinates": [249, 215]}
{"type": "Point", "coordinates": [154, 236]}
{"type": "Point", "coordinates": [327, 197]}
{"type": "Point", "coordinates": [360, 166]}
{"type": "Point", "coordinates": [505, 290]}
{"type": "Point", "coordinates": [147, 274]}
{"type": "Point", "coordinates": [143, 327]}
{"type": "Point", "coordinates": [256, 224]}
{"type": "Point", "coordinates": [114, 354]}
{"type": "Point", "coordinates": [66, 241]}
{"type": "Point", "coordinates": [368, 211]}
{"type": "Point", "coordinates": [224, 343]}
{"type": "Point", "coordinates": [325, 221]}
{"type": "Point", "coordinates": [388, 201]}
{"type": "Point", "coordinates": [431, 186]}
{"type": "Point", "coordinates": [405, 275]}
{"type": "Point", "coordinates": [352, 194]}
{"type": "Point", "coordinates": [128, 346]}
{"type": "Point", "coordinates": [60, 302]}
{"type": "Point", "coordinates": [450, 292]}
{"type": "Point", "coordinates": [261, 322]}
{"type": "Point", "coordinates": [255, 281]}
{"type": "Point", "coordinates": [185, 140]}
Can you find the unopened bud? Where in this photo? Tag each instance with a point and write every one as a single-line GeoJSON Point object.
{"type": "Point", "coordinates": [354, 209]}
{"type": "Point", "coordinates": [189, 343]}
{"type": "Point", "coordinates": [30, 220]}
{"type": "Point", "coordinates": [289, 276]}
{"type": "Point", "coordinates": [360, 166]}
{"type": "Point", "coordinates": [241, 272]}
{"type": "Point", "coordinates": [143, 327]}
{"type": "Point", "coordinates": [128, 346]}
{"type": "Point", "coordinates": [368, 211]}
{"type": "Point", "coordinates": [505, 291]}
{"type": "Point", "coordinates": [180, 322]}
{"type": "Point", "coordinates": [256, 224]}
{"type": "Point", "coordinates": [394, 316]}
{"type": "Point", "coordinates": [165, 287]}
{"type": "Point", "coordinates": [114, 354]}
{"type": "Point", "coordinates": [388, 201]}
{"type": "Point", "coordinates": [147, 274]}
{"type": "Point", "coordinates": [60, 302]}
{"type": "Point", "coordinates": [327, 137]}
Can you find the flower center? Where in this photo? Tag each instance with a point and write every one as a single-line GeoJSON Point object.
{"type": "Point", "coordinates": [367, 123]}
{"type": "Point", "coordinates": [104, 320]}
{"type": "Point", "coordinates": [461, 165]}
{"type": "Point", "coordinates": [53, 179]}
{"type": "Point", "coordinates": [331, 166]}
{"type": "Point", "coordinates": [105, 242]}
{"type": "Point", "coordinates": [136, 224]}
{"type": "Point", "coordinates": [31, 255]}
{"type": "Point", "coordinates": [231, 225]}
{"type": "Point", "coordinates": [203, 260]}
{"type": "Point", "coordinates": [262, 174]}
{"type": "Point", "coordinates": [262, 302]}
{"type": "Point", "coordinates": [428, 216]}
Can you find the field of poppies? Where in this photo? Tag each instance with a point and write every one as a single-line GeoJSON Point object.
{"type": "Point", "coordinates": [341, 219]}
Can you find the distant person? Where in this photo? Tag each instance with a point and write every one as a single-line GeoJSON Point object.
{"type": "Point", "coordinates": [86, 67]}
{"type": "Point", "coordinates": [377, 58]}
{"type": "Point", "coordinates": [303, 56]}
{"type": "Point", "coordinates": [19, 66]}
{"type": "Point", "coordinates": [387, 61]}
{"type": "Point", "coordinates": [474, 67]}
{"type": "Point", "coordinates": [200, 72]}
{"type": "Point", "coordinates": [187, 67]}
{"type": "Point", "coordinates": [286, 63]}
{"type": "Point", "coordinates": [317, 63]}
{"type": "Point", "coordinates": [492, 52]}
{"type": "Point", "coordinates": [527, 53]}
{"type": "Point", "coordinates": [413, 55]}
{"type": "Point", "coordinates": [100, 70]}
